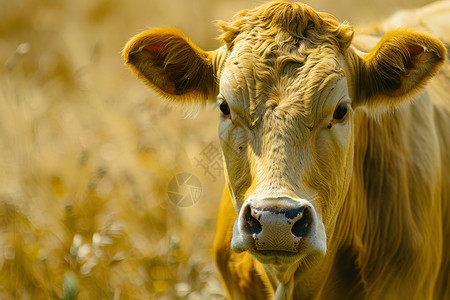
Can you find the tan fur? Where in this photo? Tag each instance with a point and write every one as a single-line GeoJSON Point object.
{"type": "Point", "coordinates": [176, 68]}
{"type": "Point", "coordinates": [240, 272]}
{"type": "Point", "coordinates": [391, 67]}
{"type": "Point", "coordinates": [378, 178]}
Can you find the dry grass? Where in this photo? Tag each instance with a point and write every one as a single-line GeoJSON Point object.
{"type": "Point", "coordinates": [87, 152]}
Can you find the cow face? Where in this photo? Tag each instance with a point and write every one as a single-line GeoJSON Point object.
{"type": "Point", "coordinates": [286, 133]}
{"type": "Point", "coordinates": [288, 85]}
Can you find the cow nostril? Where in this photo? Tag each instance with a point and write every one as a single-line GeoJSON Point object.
{"type": "Point", "coordinates": [301, 226]}
{"type": "Point", "coordinates": [251, 224]}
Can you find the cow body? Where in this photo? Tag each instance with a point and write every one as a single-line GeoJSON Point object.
{"type": "Point", "coordinates": [336, 153]}
{"type": "Point", "coordinates": [384, 248]}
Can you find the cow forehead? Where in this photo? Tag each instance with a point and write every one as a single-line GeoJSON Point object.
{"type": "Point", "coordinates": [295, 83]}
{"type": "Point", "coordinates": [282, 55]}
{"type": "Point", "coordinates": [289, 23]}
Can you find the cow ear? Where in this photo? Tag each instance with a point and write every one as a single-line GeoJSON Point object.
{"type": "Point", "coordinates": [398, 67]}
{"type": "Point", "coordinates": [167, 61]}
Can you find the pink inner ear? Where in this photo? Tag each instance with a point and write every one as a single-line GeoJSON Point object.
{"type": "Point", "coordinates": [415, 49]}
{"type": "Point", "coordinates": [156, 49]}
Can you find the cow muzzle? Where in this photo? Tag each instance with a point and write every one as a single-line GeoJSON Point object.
{"type": "Point", "coordinates": [280, 226]}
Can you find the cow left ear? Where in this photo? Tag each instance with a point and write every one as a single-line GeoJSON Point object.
{"type": "Point", "coordinates": [398, 67]}
{"type": "Point", "coordinates": [167, 61]}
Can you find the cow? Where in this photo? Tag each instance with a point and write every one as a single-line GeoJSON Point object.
{"type": "Point", "coordinates": [336, 149]}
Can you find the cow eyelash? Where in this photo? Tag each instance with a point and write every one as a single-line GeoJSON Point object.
{"type": "Point", "coordinates": [223, 106]}
{"type": "Point", "coordinates": [340, 113]}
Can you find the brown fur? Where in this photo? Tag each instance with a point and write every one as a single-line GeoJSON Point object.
{"type": "Point", "coordinates": [390, 69]}
{"type": "Point", "coordinates": [243, 274]}
{"type": "Point", "coordinates": [381, 176]}
{"type": "Point", "coordinates": [168, 61]}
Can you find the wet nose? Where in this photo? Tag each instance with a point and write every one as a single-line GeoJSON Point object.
{"type": "Point", "coordinates": [276, 224]}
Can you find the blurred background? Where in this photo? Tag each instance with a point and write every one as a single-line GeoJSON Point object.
{"type": "Point", "coordinates": [87, 152]}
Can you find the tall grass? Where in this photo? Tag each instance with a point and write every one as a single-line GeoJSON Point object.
{"type": "Point", "coordinates": [87, 153]}
{"type": "Point", "coordinates": [86, 157]}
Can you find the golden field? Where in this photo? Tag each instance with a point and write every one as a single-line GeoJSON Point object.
{"type": "Point", "coordinates": [87, 152]}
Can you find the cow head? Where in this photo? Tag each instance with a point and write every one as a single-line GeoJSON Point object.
{"type": "Point", "coordinates": [288, 84]}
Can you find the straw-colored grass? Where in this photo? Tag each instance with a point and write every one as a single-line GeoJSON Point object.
{"type": "Point", "coordinates": [87, 153]}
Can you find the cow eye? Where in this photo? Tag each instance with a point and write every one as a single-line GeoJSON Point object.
{"type": "Point", "coordinates": [340, 112]}
{"type": "Point", "coordinates": [224, 108]}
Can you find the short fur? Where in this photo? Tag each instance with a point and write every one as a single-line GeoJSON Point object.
{"type": "Point", "coordinates": [381, 175]}
{"type": "Point", "coordinates": [166, 60]}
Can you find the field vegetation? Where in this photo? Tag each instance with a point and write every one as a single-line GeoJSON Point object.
{"type": "Point", "coordinates": [87, 153]}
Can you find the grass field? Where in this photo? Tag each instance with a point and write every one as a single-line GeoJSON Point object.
{"type": "Point", "coordinates": [87, 152]}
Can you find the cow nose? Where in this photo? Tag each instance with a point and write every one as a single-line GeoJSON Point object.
{"type": "Point", "coordinates": [276, 224]}
{"type": "Point", "coordinates": [298, 219]}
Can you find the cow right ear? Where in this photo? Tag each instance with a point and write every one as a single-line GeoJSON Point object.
{"type": "Point", "coordinates": [167, 61]}
{"type": "Point", "coordinates": [398, 67]}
